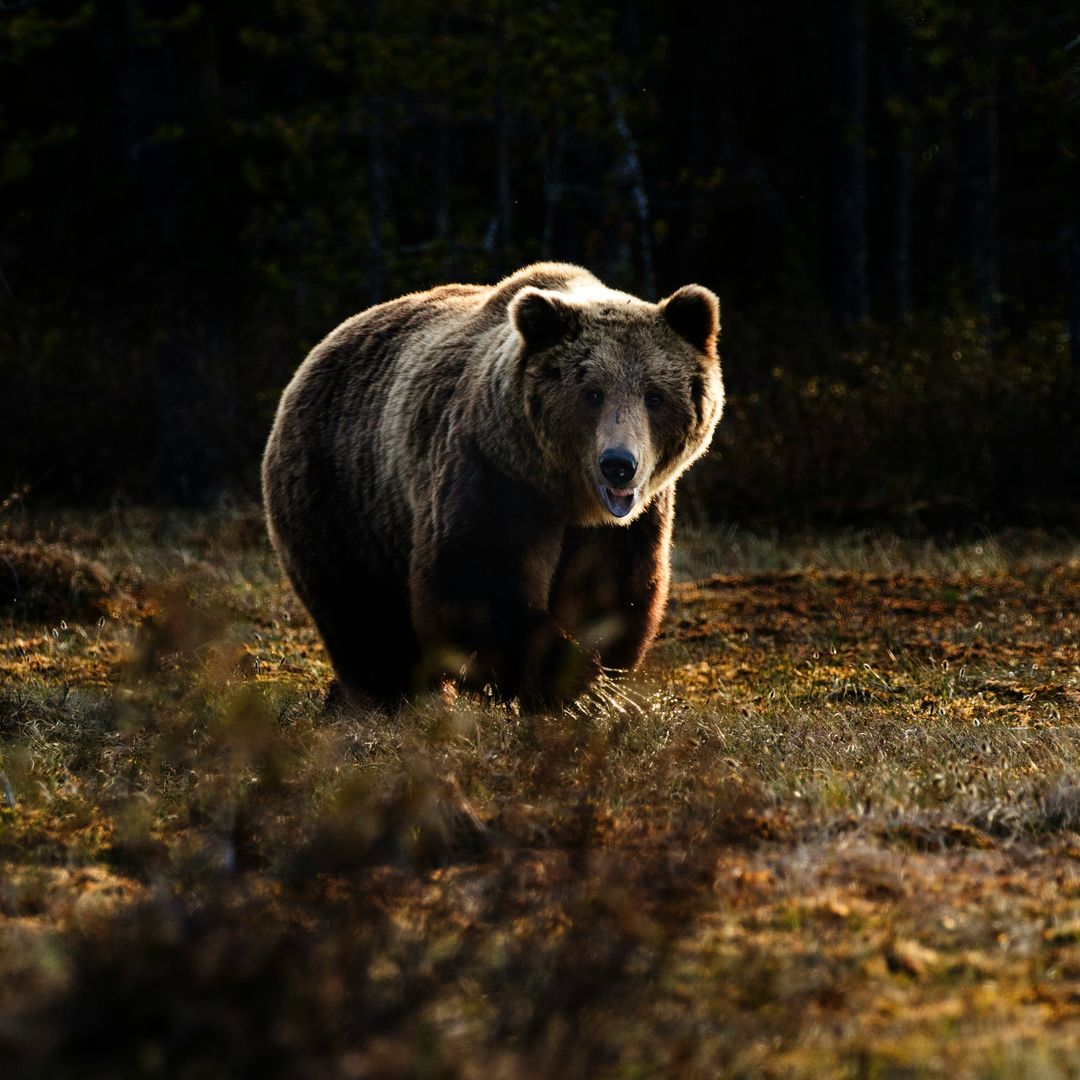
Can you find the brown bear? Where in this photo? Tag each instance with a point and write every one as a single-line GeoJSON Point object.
{"type": "Point", "coordinates": [478, 482]}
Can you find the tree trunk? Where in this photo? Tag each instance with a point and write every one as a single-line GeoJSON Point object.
{"type": "Point", "coordinates": [553, 188]}
{"type": "Point", "coordinates": [980, 140]}
{"type": "Point", "coordinates": [1071, 252]}
{"type": "Point", "coordinates": [154, 99]}
{"type": "Point", "coordinates": [442, 192]}
{"type": "Point", "coordinates": [378, 208]}
{"type": "Point", "coordinates": [503, 223]}
{"type": "Point", "coordinates": [630, 167]}
{"type": "Point", "coordinates": [851, 171]}
{"type": "Point", "coordinates": [378, 188]}
{"type": "Point", "coordinates": [503, 197]}
{"type": "Point", "coordinates": [901, 256]}
{"type": "Point", "coordinates": [903, 183]}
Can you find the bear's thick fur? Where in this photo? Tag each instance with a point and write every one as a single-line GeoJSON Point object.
{"type": "Point", "coordinates": [478, 482]}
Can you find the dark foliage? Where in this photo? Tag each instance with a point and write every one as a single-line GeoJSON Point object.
{"type": "Point", "coordinates": [196, 193]}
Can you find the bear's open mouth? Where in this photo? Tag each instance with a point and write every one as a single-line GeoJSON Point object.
{"type": "Point", "coordinates": [619, 503]}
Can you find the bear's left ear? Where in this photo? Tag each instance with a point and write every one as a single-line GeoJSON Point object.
{"type": "Point", "coordinates": [542, 317]}
{"type": "Point", "coordinates": [693, 312]}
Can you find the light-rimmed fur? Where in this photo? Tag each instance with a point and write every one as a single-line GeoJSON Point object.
{"type": "Point", "coordinates": [432, 483]}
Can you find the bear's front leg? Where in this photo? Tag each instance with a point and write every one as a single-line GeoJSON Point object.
{"type": "Point", "coordinates": [611, 585]}
{"type": "Point", "coordinates": [482, 562]}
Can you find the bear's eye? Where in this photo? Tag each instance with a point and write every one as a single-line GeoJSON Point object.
{"type": "Point", "coordinates": [594, 397]}
{"type": "Point", "coordinates": [653, 400]}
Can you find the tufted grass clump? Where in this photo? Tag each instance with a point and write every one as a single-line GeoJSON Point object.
{"type": "Point", "coordinates": [42, 582]}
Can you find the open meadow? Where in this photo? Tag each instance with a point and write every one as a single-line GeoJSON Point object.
{"type": "Point", "coordinates": [832, 829]}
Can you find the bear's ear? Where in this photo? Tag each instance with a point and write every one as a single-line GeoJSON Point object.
{"type": "Point", "coordinates": [693, 312]}
{"type": "Point", "coordinates": [542, 317]}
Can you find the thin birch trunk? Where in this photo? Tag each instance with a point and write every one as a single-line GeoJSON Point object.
{"type": "Point", "coordinates": [852, 208]}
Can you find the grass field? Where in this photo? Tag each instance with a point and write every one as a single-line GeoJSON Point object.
{"type": "Point", "coordinates": [832, 829]}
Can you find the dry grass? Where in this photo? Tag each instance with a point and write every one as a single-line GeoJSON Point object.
{"type": "Point", "coordinates": [832, 830]}
{"type": "Point", "coordinates": [41, 581]}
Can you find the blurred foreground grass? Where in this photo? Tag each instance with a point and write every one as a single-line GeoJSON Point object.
{"type": "Point", "coordinates": [833, 829]}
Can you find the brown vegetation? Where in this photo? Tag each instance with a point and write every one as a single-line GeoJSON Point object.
{"type": "Point", "coordinates": [49, 582]}
{"type": "Point", "coordinates": [833, 830]}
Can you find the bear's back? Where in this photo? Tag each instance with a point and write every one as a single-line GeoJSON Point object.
{"type": "Point", "coordinates": [362, 413]}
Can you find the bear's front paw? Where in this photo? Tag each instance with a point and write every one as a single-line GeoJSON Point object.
{"type": "Point", "coordinates": [564, 673]}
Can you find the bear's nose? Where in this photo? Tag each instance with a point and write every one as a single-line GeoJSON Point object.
{"type": "Point", "coordinates": [618, 466]}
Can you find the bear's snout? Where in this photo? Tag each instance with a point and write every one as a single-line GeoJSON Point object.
{"type": "Point", "coordinates": [617, 466]}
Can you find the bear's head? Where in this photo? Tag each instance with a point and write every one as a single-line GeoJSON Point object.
{"type": "Point", "coordinates": [621, 395]}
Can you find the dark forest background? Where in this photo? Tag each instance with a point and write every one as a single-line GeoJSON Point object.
{"type": "Point", "coordinates": [885, 195]}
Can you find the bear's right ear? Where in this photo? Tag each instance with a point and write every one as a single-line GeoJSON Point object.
{"type": "Point", "coordinates": [542, 317]}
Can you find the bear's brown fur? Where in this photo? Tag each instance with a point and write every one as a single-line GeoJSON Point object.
{"type": "Point", "coordinates": [478, 482]}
